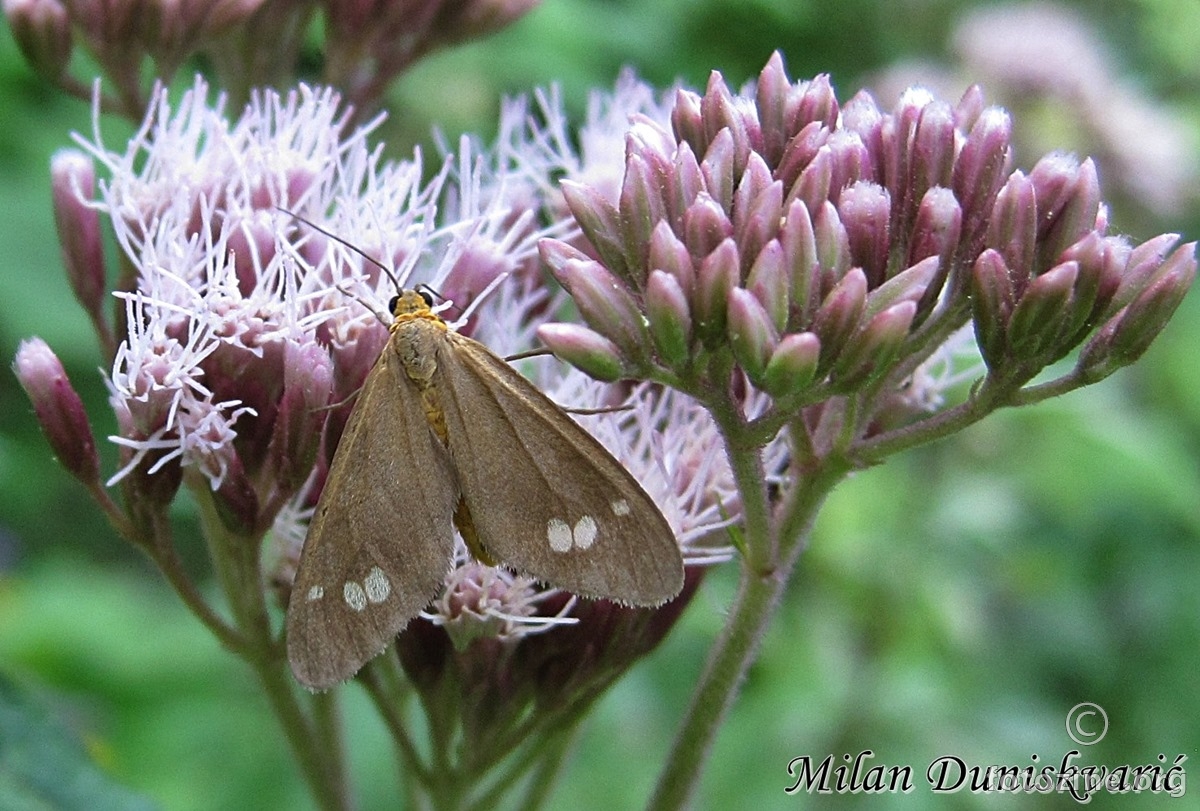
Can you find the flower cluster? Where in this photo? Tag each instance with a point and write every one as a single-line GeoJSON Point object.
{"type": "Point", "coordinates": [246, 327]}
{"type": "Point", "coordinates": [366, 45]}
{"type": "Point", "coordinates": [815, 249]}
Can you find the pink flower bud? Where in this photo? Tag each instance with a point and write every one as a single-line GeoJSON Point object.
{"type": "Point", "coordinates": [865, 210]}
{"type": "Point", "coordinates": [871, 352]}
{"type": "Point", "coordinates": [768, 281]}
{"type": "Point", "coordinates": [670, 255]}
{"type": "Point", "coordinates": [751, 335]}
{"type": "Point", "coordinates": [1037, 321]}
{"type": "Point", "coordinates": [687, 125]}
{"type": "Point", "coordinates": [642, 208]}
{"type": "Point", "coordinates": [606, 304]}
{"type": "Point", "coordinates": [586, 350]}
{"type": "Point", "coordinates": [705, 225]}
{"type": "Point", "coordinates": [600, 222]}
{"type": "Point", "coordinates": [771, 101]}
{"type": "Point", "coordinates": [719, 170]}
{"type": "Point", "coordinates": [793, 365]}
{"type": "Point", "coordinates": [73, 180]}
{"type": "Point", "coordinates": [799, 246]}
{"type": "Point", "coordinates": [1013, 229]}
{"type": "Point", "coordinates": [59, 409]}
{"type": "Point", "coordinates": [670, 318]}
{"type": "Point", "coordinates": [839, 315]}
{"type": "Point", "coordinates": [980, 169]}
{"type": "Point", "coordinates": [992, 302]}
{"type": "Point", "coordinates": [1148, 313]}
{"type": "Point", "coordinates": [718, 274]}
{"type": "Point", "coordinates": [42, 30]}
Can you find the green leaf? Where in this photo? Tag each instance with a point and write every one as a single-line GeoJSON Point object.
{"type": "Point", "coordinates": [43, 765]}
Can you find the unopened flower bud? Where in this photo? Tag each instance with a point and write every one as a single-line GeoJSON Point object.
{"type": "Point", "coordinates": [992, 302]}
{"type": "Point", "coordinates": [751, 335]}
{"type": "Point", "coordinates": [670, 318]}
{"type": "Point", "coordinates": [59, 409]}
{"type": "Point", "coordinates": [605, 304]}
{"type": "Point", "coordinates": [600, 223]}
{"type": "Point", "coordinates": [42, 30]}
{"type": "Point", "coordinates": [1014, 224]}
{"type": "Point", "coordinates": [865, 210]}
{"type": "Point", "coordinates": [1037, 320]}
{"type": "Point", "coordinates": [718, 274]}
{"type": "Point", "coordinates": [793, 365]}
{"type": "Point", "coordinates": [768, 280]}
{"type": "Point", "coordinates": [73, 180]}
{"type": "Point", "coordinates": [872, 350]}
{"type": "Point", "coordinates": [584, 349]}
{"type": "Point", "coordinates": [839, 315]}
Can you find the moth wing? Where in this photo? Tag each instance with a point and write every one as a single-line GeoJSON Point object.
{"type": "Point", "coordinates": [546, 498]}
{"type": "Point", "coordinates": [381, 540]}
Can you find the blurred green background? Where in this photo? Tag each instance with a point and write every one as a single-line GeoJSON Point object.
{"type": "Point", "coordinates": [958, 600]}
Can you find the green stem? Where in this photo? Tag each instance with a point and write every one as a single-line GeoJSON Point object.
{"type": "Point", "coordinates": [759, 593]}
{"type": "Point", "coordinates": [236, 561]}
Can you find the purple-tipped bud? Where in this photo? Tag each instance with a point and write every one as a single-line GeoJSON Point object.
{"type": "Point", "coordinates": [814, 185]}
{"type": "Point", "coordinates": [1013, 229]}
{"type": "Point", "coordinates": [771, 99]}
{"type": "Point", "coordinates": [670, 255]}
{"type": "Point", "coordinates": [605, 304]}
{"type": "Point", "coordinates": [793, 365]}
{"type": "Point", "coordinates": [705, 226]}
{"type": "Point", "coordinates": [1146, 317]}
{"type": "Point", "coordinates": [799, 245]}
{"type": "Point", "coordinates": [59, 409]}
{"type": "Point", "coordinates": [769, 281]}
{"type": "Point", "coordinates": [1037, 321]}
{"type": "Point", "coordinates": [992, 302]}
{"type": "Point", "coordinates": [931, 160]}
{"type": "Point", "coordinates": [872, 350]}
{"type": "Point", "coordinates": [73, 180]}
{"type": "Point", "coordinates": [670, 318]}
{"type": "Point", "coordinates": [717, 167]}
{"type": "Point", "coordinates": [849, 161]}
{"type": "Point", "coordinates": [833, 243]}
{"type": "Point", "coordinates": [720, 114]}
{"type": "Point", "coordinates": [686, 122]}
{"type": "Point", "coordinates": [588, 351]}
{"type": "Point", "coordinates": [935, 235]}
{"type": "Point", "coordinates": [751, 335]}
{"type": "Point", "coordinates": [839, 315]}
{"type": "Point", "coordinates": [865, 210]}
{"type": "Point", "coordinates": [980, 169]}
{"type": "Point", "coordinates": [42, 29]}
{"type": "Point", "coordinates": [758, 207]}
{"type": "Point", "coordinates": [1145, 262]}
{"type": "Point", "coordinates": [908, 285]}
{"type": "Point", "coordinates": [1068, 196]}
{"type": "Point", "coordinates": [718, 274]}
{"type": "Point", "coordinates": [600, 222]}
{"type": "Point", "coordinates": [816, 102]}
{"type": "Point", "coordinates": [642, 207]}
{"type": "Point", "coordinates": [689, 182]}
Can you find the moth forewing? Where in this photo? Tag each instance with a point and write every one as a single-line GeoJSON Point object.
{"type": "Point", "coordinates": [380, 543]}
{"type": "Point", "coordinates": [546, 498]}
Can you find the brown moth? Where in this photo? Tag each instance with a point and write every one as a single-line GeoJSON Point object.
{"type": "Point", "coordinates": [445, 434]}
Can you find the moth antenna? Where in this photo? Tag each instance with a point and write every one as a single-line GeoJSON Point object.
{"type": "Point", "coordinates": [387, 271]}
{"type": "Point", "coordinates": [435, 294]}
{"type": "Point", "coordinates": [589, 411]}
{"type": "Point", "coordinates": [528, 353]}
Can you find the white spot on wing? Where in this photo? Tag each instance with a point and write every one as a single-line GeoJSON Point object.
{"type": "Point", "coordinates": [315, 593]}
{"type": "Point", "coordinates": [620, 507]}
{"type": "Point", "coordinates": [585, 532]}
{"type": "Point", "coordinates": [354, 596]}
{"type": "Point", "coordinates": [558, 532]}
{"type": "Point", "coordinates": [376, 585]}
